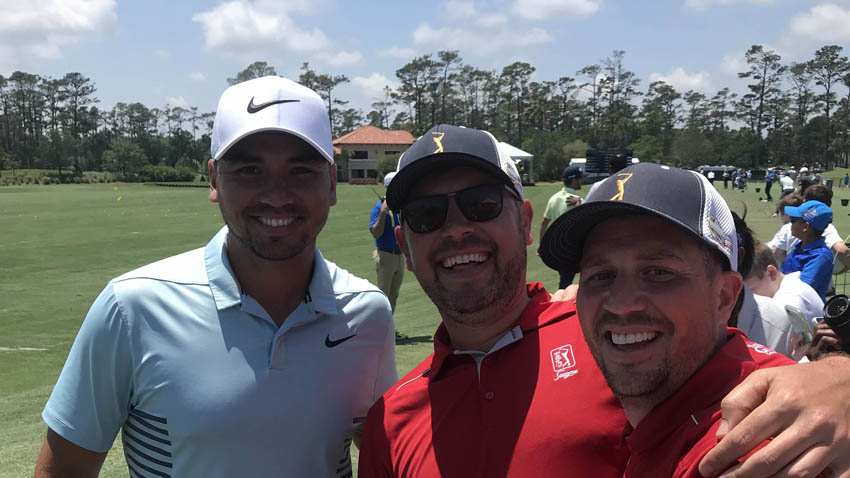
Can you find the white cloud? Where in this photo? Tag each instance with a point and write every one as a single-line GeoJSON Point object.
{"type": "Point", "coordinates": [340, 59]}
{"type": "Point", "coordinates": [459, 9]}
{"type": "Point", "coordinates": [160, 53]}
{"type": "Point", "coordinates": [177, 101]}
{"type": "Point", "coordinates": [705, 4]}
{"type": "Point", "coordinates": [237, 26]}
{"type": "Point", "coordinates": [373, 85]}
{"type": "Point", "coordinates": [467, 12]}
{"type": "Point", "coordinates": [732, 64]}
{"type": "Point", "coordinates": [40, 29]}
{"type": "Point", "coordinates": [491, 20]}
{"type": "Point", "coordinates": [397, 52]}
{"type": "Point", "coordinates": [478, 41]}
{"type": "Point", "coordinates": [198, 76]}
{"type": "Point", "coordinates": [826, 22]}
{"type": "Point", "coordinates": [548, 9]}
{"type": "Point", "coordinates": [684, 81]}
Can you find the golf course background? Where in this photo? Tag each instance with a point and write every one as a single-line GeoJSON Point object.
{"type": "Point", "coordinates": [60, 244]}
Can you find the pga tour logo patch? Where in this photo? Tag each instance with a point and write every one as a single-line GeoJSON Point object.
{"type": "Point", "coordinates": [563, 361]}
{"type": "Point", "coordinates": [761, 349]}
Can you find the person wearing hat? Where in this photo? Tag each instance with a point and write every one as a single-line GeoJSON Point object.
{"type": "Point", "coordinates": [511, 388]}
{"type": "Point", "coordinates": [811, 257]}
{"type": "Point", "coordinates": [251, 356]}
{"type": "Point", "coordinates": [659, 283]}
{"type": "Point", "coordinates": [389, 262]}
{"type": "Point", "coordinates": [561, 202]}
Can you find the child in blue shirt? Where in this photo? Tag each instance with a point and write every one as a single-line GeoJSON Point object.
{"type": "Point", "coordinates": [811, 256]}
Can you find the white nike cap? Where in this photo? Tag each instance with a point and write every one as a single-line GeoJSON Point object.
{"type": "Point", "coordinates": [271, 103]}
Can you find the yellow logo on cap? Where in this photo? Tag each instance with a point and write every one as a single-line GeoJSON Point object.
{"type": "Point", "coordinates": [438, 138]}
{"type": "Point", "coordinates": [621, 186]}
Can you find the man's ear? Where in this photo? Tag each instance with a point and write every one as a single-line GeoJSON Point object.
{"type": "Point", "coordinates": [213, 181]}
{"type": "Point", "coordinates": [527, 213]}
{"type": "Point", "coordinates": [402, 244]}
{"type": "Point", "coordinates": [730, 285]}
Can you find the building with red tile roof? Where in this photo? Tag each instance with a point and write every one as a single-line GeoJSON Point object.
{"type": "Point", "coordinates": [364, 146]}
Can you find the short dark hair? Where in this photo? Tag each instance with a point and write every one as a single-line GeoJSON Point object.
{"type": "Point", "coordinates": [746, 246]}
{"type": "Point", "coordinates": [763, 257]}
{"type": "Point", "coordinates": [818, 192]}
{"type": "Point", "coordinates": [714, 260]}
{"type": "Point", "coordinates": [792, 199]}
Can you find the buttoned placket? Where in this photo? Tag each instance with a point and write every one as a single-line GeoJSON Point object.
{"type": "Point", "coordinates": [302, 315]}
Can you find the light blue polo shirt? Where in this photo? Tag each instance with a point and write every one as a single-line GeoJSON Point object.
{"type": "Point", "coordinates": [202, 382]}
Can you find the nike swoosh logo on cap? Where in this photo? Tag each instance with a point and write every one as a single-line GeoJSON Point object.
{"type": "Point", "coordinates": [252, 108]}
{"type": "Point", "coordinates": [333, 343]}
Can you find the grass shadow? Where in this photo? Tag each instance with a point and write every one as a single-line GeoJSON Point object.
{"type": "Point", "coordinates": [419, 339]}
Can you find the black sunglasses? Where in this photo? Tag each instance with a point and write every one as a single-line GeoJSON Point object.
{"type": "Point", "coordinates": [477, 204]}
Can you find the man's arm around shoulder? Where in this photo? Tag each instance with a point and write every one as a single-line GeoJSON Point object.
{"type": "Point", "coordinates": [60, 458]}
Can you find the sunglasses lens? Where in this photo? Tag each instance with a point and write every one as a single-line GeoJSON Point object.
{"type": "Point", "coordinates": [426, 214]}
{"type": "Point", "coordinates": [480, 203]}
{"type": "Point", "coordinates": [477, 204]}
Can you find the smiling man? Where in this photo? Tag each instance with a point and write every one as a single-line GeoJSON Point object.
{"type": "Point", "coordinates": [512, 388]}
{"type": "Point", "coordinates": [252, 356]}
{"type": "Point", "coordinates": [658, 285]}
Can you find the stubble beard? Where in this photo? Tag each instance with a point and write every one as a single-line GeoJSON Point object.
{"type": "Point", "coordinates": [649, 387]}
{"type": "Point", "coordinates": [486, 302]}
{"type": "Point", "coordinates": [273, 249]}
{"type": "Point", "coordinates": [629, 383]}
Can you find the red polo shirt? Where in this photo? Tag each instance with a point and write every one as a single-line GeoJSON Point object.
{"type": "Point", "coordinates": [677, 434]}
{"type": "Point", "coordinates": [536, 407]}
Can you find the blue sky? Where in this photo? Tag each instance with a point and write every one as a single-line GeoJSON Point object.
{"type": "Point", "coordinates": [181, 52]}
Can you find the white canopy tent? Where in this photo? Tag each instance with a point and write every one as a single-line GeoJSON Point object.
{"type": "Point", "coordinates": [519, 155]}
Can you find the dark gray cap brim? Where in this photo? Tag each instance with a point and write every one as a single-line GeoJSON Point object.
{"type": "Point", "coordinates": [406, 179]}
{"type": "Point", "coordinates": [562, 246]}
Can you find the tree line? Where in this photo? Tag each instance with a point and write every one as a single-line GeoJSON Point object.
{"type": "Point", "coordinates": [791, 114]}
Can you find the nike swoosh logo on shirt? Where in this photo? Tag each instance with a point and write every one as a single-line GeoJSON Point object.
{"type": "Point", "coordinates": [253, 108]}
{"type": "Point", "coordinates": [333, 343]}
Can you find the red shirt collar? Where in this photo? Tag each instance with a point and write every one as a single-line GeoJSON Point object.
{"type": "Point", "coordinates": [533, 317]}
{"type": "Point", "coordinates": [707, 386]}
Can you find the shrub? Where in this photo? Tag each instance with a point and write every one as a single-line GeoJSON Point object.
{"type": "Point", "coordinates": [160, 173]}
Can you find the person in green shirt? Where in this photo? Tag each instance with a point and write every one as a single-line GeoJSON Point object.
{"type": "Point", "coordinates": [560, 202]}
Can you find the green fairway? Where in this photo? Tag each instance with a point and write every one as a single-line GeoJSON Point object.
{"type": "Point", "coordinates": [59, 245]}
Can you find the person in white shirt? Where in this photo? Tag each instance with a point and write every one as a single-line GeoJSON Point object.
{"type": "Point", "coordinates": [787, 184]}
{"type": "Point", "coordinates": [766, 279]}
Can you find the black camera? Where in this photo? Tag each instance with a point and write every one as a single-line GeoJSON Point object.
{"type": "Point", "coordinates": [836, 314]}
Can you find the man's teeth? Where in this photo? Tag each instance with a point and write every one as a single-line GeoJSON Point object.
{"type": "Point", "coordinates": [464, 259]}
{"type": "Point", "coordinates": [268, 221]}
{"type": "Point", "coordinates": [625, 339]}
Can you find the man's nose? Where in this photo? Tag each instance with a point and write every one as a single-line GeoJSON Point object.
{"type": "Point", "coordinates": [456, 225]}
{"type": "Point", "coordinates": [277, 191]}
{"type": "Point", "coordinates": [624, 296]}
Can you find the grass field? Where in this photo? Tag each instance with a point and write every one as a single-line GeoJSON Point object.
{"type": "Point", "coordinates": [59, 245]}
